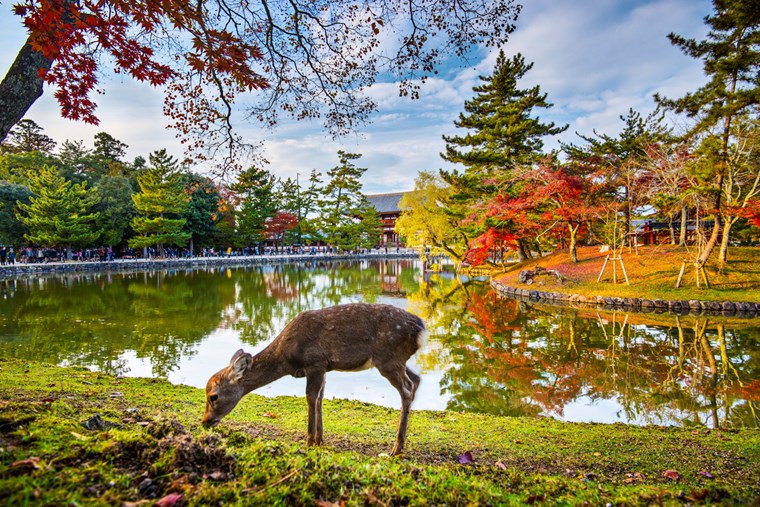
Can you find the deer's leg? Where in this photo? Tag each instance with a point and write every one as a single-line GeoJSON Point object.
{"type": "Point", "coordinates": [405, 381]}
{"type": "Point", "coordinates": [315, 388]}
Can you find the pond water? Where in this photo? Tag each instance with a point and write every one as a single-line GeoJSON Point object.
{"type": "Point", "coordinates": [485, 353]}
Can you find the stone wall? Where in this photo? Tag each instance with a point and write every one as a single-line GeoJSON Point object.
{"type": "Point", "coordinates": [682, 307]}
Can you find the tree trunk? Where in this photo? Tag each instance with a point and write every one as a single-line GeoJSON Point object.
{"type": "Point", "coordinates": [710, 242]}
{"type": "Point", "coordinates": [573, 242]}
{"type": "Point", "coordinates": [723, 255]}
{"type": "Point", "coordinates": [21, 87]}
{"type": "Point", "coordinates": [684, 219]}
{"type": "Point", "coordinates": [522, 254]}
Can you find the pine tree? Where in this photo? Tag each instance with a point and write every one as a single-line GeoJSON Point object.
{"type": "Point", "coordinates": [731, 59]}
{"type": "Point", "coordinates": [59, 212]}
{"type": "Point", "coordinates": [255, 189]}
{"type": "Point", "coordinates": [202, 212]}
{"type": "Point", "coordinates": [344, 207]}
{"type": "Point", "coordinates": [503, 133]}
{"type": "Point", "coordinates": [159, 205]}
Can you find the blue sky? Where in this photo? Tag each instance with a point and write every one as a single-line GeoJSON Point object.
{"type": "Point", "coordinates": [594, 58]}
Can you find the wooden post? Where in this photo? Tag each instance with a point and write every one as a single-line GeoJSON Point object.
{"type": "Point", "coordinates": [603, 266]}
{"type": "Point", "coordinates": [680, 275]}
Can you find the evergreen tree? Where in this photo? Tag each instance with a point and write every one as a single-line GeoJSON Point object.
{"type": "Point", "coordinates": [256, 191]}
{"type": "Point", "coordinates": [620, 161]}
{"type": "Point", "coordinates": [26, 136]}
{"type": "Point", "coordinates": [116, 208]}
{"type": "Point", "coordinates": [503, 133]}
{"type": "Point", "coordinates": [60, 212]}
{"type": "Point", "coordinates": [731, 59]}
{"type": "Point", "coordinates": [159, 205]}
{"type": "Point", "coordinates": [202, 212]}
{"type": "Point", "coordinates": [344, 208]}
{"type": "Point", "coordinates": [12, 230]}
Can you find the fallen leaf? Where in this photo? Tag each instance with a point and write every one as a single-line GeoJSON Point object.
{"type": "Point", "coordinates": [634, 477]}
{"type": "Point", "coordinates": [33, 463]}
{"type": "Point", "coordinates": [325, 503]}
{"type": "Point", "coordinates": [271, 415]}
{"type": "Point", "coordinates": [78, 436]}
{"type": "Point", "coordinates": [671, 474]}
{"type": "Point", "coordinates": [466, 458]}
{"type": "Point", "coordinates": [706, 475]}
{"type": "Point", "coordinates": [169, 500]}
{"type": "Point", "coordinates": [597, 454]}
{"type": "Point", "coordinates": [501, 465]}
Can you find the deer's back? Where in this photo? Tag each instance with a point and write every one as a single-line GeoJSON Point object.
{"type": "Point", "coordinates": [350, 337]}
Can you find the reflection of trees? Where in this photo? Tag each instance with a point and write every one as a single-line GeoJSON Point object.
{"type": "Point", "coordinates": [94, 319]}
{"type": "Point", "coordinates": [498, 355]}
{"type": "Point", "coordinates": [511, 358]}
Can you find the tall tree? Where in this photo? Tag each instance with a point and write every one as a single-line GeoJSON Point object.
{"type": "Point", "coordinates": [159, 205]}
{"type": "Point", "coordinates": [202, 213]}
{"type": "Point", "coordinates": [255, 190]}
{"type": "Point", "coordinates": [116, 208]}
{"type": "Point", "coordinates": [27, 136]}
{"type": "Point", "coordinates": [60, 212]}
{"type": "Point", "coordinates": [307, 58]}
{"type": "Point", "coordinates": [621, 160]}
{"type": "Point", "coordinates": [503, 133]}
{"type": "Point", "coordinates": [731, 60]}
{"type": "Point", "coordinates": [344, 207]}
{"type": "Point", "coordinates": [12, 230]}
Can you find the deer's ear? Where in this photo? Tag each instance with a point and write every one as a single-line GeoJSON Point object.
{"type": "Point", "coordinates": [239, 365]}
{"type": "Point", "coordinates": [235, 357]}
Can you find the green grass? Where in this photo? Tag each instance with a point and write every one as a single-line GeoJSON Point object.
{"type": "Point", "coordinates": [153, 445]}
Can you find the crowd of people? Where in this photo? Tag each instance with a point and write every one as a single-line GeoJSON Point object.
{"type": "Point", "coordinates": [30, 255]}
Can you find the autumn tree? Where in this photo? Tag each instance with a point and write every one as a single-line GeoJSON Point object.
{"type": "Point", "coordinates": [159, 205]}
{"type": "Point", "coordinates": [424, 223]}
{"type": "Point", "coordinates": [621, 161]}
{"type": "Point", "coordinates": [303, 58]}
{"type": "Point", "coordinates": [503, 132]}
{"type": "Point", "coordinates": [276, 226]}
{"type": "Point", "coordinates": [731, 61]}
{"type": "Point", "coordinates": [59, 212]}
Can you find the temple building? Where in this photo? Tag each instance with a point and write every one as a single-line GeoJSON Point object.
{"type": "Point", "coordinates": [387, 206]}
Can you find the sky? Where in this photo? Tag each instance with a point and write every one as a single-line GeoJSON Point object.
{"type": "Point", "coordinates": [595, 59]}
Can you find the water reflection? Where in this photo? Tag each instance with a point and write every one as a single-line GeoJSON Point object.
{"type": "Point", "coordinates": [486, 353]}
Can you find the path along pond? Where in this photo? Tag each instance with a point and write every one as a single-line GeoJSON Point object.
{"type": "Point", "coordinates": [485, 354]}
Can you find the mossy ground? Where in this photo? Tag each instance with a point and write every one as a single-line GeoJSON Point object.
{"type": "Point", "coordinates": [148, 447]}
{"type": "Point", "coordinates": [652, 273]}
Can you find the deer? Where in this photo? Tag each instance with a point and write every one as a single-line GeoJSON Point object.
{"type": "Point", "coordinates": [349, 337]}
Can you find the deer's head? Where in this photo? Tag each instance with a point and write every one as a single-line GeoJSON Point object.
{"type": "Point", "coordinates": [224, 389]}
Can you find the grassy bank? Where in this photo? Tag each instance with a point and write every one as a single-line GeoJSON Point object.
{"type": "Point", "coordinates": [652, 271]}
{"type": "Point", "coordinates": [147, 446]}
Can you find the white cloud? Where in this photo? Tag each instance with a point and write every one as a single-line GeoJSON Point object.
{"type": "Point", "coordinates": [594, 58]}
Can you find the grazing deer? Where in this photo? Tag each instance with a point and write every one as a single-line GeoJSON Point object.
{"type": "Point", "coordinates": [350, 337]}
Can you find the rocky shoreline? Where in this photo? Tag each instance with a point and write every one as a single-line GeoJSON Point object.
{"type": "Point", "coordinates": [127, 265]}
{"type": "Point", "coordinates": [675, 307]}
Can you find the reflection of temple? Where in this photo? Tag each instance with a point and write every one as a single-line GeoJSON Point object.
{"type": "Point", "coordinates": [387, 206]}
{"type": "Point", "coordinates": [390, 273]}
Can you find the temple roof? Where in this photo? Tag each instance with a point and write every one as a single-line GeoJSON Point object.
{"type": "Point", "coordinates": [386, 203]}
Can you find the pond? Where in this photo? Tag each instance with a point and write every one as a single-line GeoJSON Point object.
{"type": "Point", "coordinates": [485, 353]}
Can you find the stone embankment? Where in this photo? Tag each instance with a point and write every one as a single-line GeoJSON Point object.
{"type": "Point", "coordinates": [127, 265]}
{"type": "Point", "coordinates": [693, 306]}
